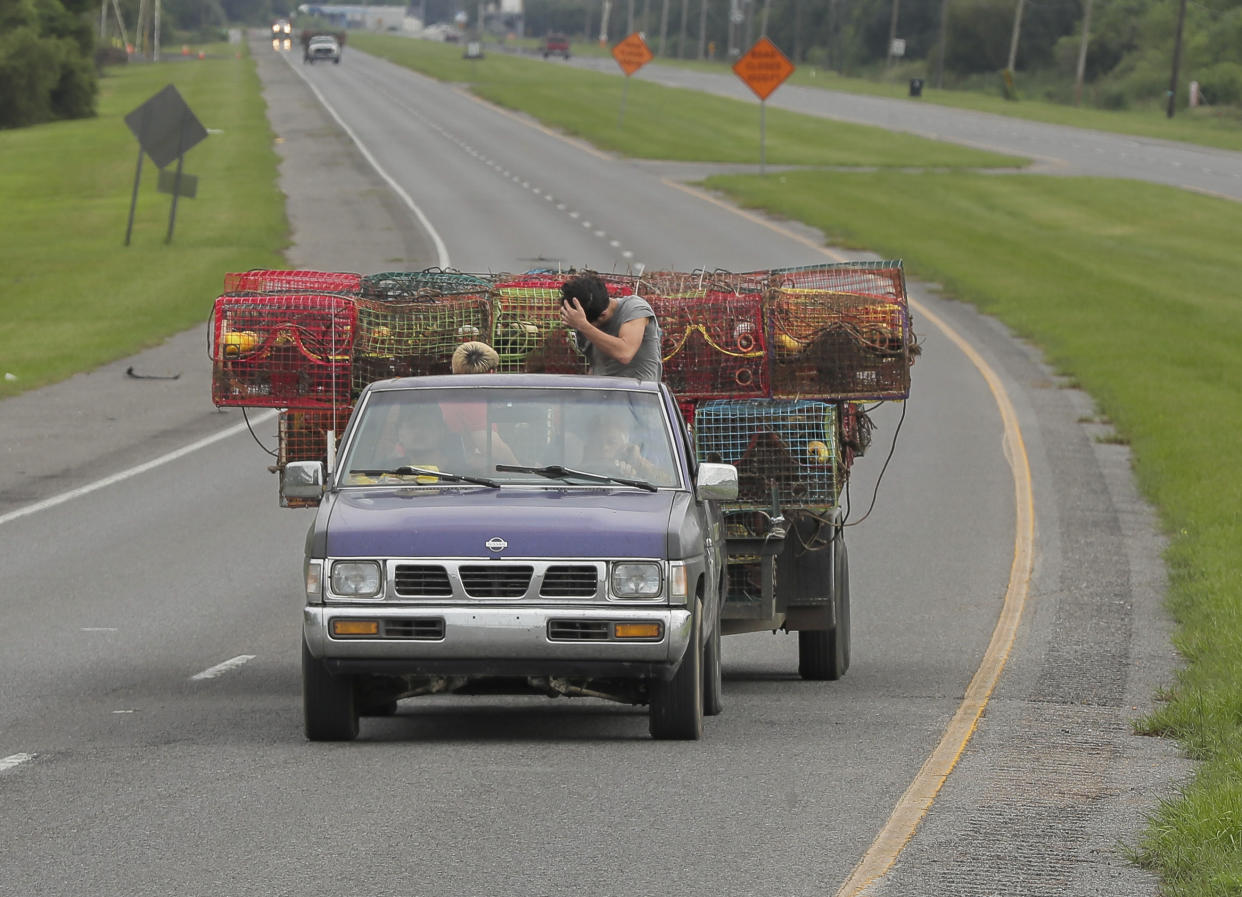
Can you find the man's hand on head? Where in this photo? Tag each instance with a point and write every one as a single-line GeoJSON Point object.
{"type": "Point", "coordinates": [572, 315]}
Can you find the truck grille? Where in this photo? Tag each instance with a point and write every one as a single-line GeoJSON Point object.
{"type": "Point", "coordinates": [422, 580]}
{"type": "Point", "coordinates": [493, 581]}
{"type": "Point", "coordinates": [570, 582]}
{"type": "Point", "coordinates": [579, 630]}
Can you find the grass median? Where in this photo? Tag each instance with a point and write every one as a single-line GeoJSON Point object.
{"type": "Point", "coordinates": [75, 296]}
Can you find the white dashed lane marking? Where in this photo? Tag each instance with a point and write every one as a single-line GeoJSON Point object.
{"type": "Point", "coordinates": [221, 668]}
{"type": "Point", "coordinates": [7, 763]}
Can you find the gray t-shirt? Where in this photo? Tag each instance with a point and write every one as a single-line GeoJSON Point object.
{"type": "Point", "coordinates": [646, 363]}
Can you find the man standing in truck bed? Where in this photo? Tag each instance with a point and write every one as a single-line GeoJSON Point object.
{"type": "Point", "coordinates": [619, 336]}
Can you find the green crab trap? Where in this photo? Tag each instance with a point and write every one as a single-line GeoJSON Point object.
{"type": "Point", "coordinates": [838, 345]}
{"type": "Point", "coordinates": [787, 453]}
{"type": "Point", "coordinates": [414, 337]}
{"type": "Point", "coordinates": [528, 334]}
{"type": "Point", "coordinates": [278, 350]}
{"type": "Point", "coordinates": [713, 345]}
{"type": "Point", "coordinates": [294, 281]}
{"type": "Point", "coordinates": [406, 285]}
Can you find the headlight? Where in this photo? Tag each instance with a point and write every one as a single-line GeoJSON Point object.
{"type": "Point", "coordinates": [356, 579]}
{"type": "Point", "coordinates": [636, 580]}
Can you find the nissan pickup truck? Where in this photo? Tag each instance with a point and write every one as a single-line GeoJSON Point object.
{"type": "Point", "coordinates": [513, 534]}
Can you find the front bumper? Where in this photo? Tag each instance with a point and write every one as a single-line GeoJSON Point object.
{"type": "Point", "coordinates": [499, 641]}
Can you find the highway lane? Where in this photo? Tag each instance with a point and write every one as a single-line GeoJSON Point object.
{"type": "Point", "coordinates": [143, 779]}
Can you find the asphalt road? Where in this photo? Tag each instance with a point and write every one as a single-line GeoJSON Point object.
{"type": "Point", "coordinates": [150, 732]}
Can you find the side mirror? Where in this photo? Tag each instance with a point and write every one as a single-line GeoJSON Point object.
{"type": "Point", "coordinates": [716, 482]}
{"type": "Point", "coordinates": [302, 480]}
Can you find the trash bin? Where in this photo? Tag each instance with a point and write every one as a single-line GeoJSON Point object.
{"type": "Point", "coordinates": [916, 87]}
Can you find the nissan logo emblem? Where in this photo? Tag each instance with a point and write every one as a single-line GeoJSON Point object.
{"type": "Point", "coordinates": [496, 544]}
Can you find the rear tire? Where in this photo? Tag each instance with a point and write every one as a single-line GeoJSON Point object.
{"type": "Point", "coordinates": [676, 711]}
{"type": "Point", "coordinates": [329, 703]}
{"type": "Point", "coordinates": [824, 655]}
{"type": "Point", "coordinates": [713, 680]}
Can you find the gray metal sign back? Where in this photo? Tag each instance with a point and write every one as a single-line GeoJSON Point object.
{"type": "Point", "coordinates": [165, 127]}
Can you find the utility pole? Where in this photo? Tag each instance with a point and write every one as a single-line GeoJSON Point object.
{"type": "Point", "coordinates": [1013, 38]}
{"type": "Point", "coordinates": [1177, 59]}
{"type": "Point", "coordinates": [1082, 54]}
{"type": "Point", "coordinates": [681, 42]}
{"type": "Point", "coordinates": [944, 36]}
{"type": "Point", "coordinates": [702, 29]}
{"type": "Point", "coordinates": [892, 33]}
{"type": "Point", "coordinates": [664, 28]}
{"type": "Point", "coordinates": [763, 23]}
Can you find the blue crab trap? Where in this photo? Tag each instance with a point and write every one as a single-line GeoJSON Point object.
{"type": "Point", "coordinates": [787, 453]}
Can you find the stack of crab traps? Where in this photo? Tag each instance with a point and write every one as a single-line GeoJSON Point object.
{"type": "Point", "coordinates": [773, 368]}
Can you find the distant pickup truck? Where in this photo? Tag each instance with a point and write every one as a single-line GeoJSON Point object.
{"type": "Point", "coordinates": [322, 48]}
{"type": "Point", "coordinates": [556, 45]}
{"type": "Point", "coordinates": [513, 533]}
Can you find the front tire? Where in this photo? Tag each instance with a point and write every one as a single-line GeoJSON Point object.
{"type": "Point", "coordinates": [676, 711]}
{"type": "Point", "coordinates": [329, 703]}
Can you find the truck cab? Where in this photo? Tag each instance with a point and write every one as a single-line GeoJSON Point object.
{"type": "Point", "coordinates": [513, 533]}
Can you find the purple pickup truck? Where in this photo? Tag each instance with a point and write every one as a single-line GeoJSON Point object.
{"type": "Point", "coordinates": [514, 533]}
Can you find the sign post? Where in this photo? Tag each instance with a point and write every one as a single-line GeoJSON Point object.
{"type": "Point", "coordinates": [166, 130]}
{"type": "Point", "coordinates": [631, 54]}
{"type": "Point", "coordinates": [764, 68]}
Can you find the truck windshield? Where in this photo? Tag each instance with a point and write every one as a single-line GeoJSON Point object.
{"type": "Point", "coordinates": [511, 434]}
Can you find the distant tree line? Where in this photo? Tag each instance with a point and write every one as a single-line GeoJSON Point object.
{"type": "Point", "coordinates": [1129, 44]}
{"type": "Point", "coordinates": [46, 69]}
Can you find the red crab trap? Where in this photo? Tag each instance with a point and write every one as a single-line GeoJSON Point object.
{"type": "Point", "coordinates": [787, 453]}
{"type": "Point", "coordinates": [529, 335]}
{"type": "Point", "coordinates": [259, 280]}
{"type": "Point", "coordinates": [713, 345]}
{"type": "Point", "coordinates": [304, 436]}
{"type": "Point", "coordinates": [838, 345]}
{"type": "Point", "coordinates": [415, 337]}
{"type": "Point", "coordinates": [279, 350]}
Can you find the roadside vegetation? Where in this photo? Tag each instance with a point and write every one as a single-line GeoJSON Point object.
{"type": "Point", "coordinates": [1142, 314]}
{"type": "Point", "coordinates": [75, 296]}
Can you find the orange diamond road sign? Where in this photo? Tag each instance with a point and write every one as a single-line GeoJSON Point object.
{"type": "Point", "coordinates": [764, 68]}
{"type": "Point", "coordinates": [632, 53]}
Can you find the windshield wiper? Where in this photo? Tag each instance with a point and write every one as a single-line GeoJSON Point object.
{"type": "Point", "coordinates": [557, 472]}
{"type": "Point", "coordinates": [406, 471]}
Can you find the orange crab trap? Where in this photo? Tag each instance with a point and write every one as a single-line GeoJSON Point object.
{"type": "Point", "coordinates": [293, 281]}
{"type": "Point", "coordinates": [879, 278]}
{"type": "Point", "coordinates": [838, 345]}
{"type": "Point", "coordinates": [787, 453]}
{"type": "Point", "coordinates": [303, 436]}
{"type": "Point", "coordinates": [713, 345]}
{"type": "Point", "coordinates": [280, 350]}
{"type": "Point", "coordinates": [413, 337]}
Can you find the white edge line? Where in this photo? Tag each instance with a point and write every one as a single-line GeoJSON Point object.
{"type": "Point", "coordinates": [131, 472]}
{"type": "Point", "coordinates": [442, 255]}
{"type": "Point", "coordinates": [222, 668]}
{"type": "Point", "coordinates": [7, 763]}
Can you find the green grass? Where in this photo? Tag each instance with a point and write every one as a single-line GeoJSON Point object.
{"type": "Point", "coordinates": [667, 123]}
{"type": "Point", "coordinates": [74, 295]}
{"type": "Point", "coordinates": [1146, 318]}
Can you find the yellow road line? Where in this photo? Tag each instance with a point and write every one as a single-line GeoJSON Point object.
{"type": "Point", "coordinates": [922, 791]}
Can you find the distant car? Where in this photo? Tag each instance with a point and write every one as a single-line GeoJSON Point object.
{"type": "Point", "coordinates": [556, 45]}
{"type": "Point", "coordinates": [322, 47]}
{"type": "Point", "coordinates": [281, 27]}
